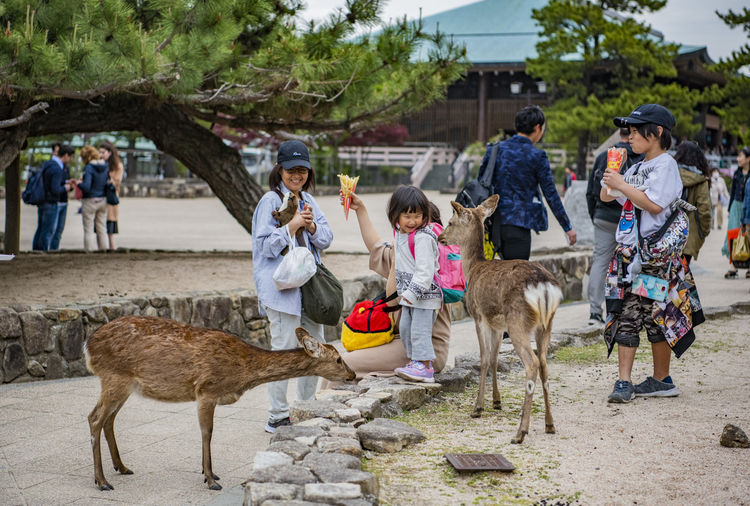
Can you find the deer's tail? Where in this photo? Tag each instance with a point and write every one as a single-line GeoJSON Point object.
{"type": "Point", "coordinates": [544, 298]}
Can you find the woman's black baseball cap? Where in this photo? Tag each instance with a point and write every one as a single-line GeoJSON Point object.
{"type": "Point", "coordinates": [648, 113]}
{"type": "Point", "coordinates": [293, 154]}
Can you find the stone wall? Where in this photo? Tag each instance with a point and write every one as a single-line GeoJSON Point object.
{"type": "Point", "coordinates": [47, 342]}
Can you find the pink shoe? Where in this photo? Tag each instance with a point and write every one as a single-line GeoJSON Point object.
{"type": "Point", "coordinates": [416, 371]}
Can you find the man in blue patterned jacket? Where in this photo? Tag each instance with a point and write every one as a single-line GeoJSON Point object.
{"type": "Point", "coordinates": [519, 172]}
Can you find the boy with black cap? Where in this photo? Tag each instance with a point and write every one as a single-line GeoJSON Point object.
{"type": "Point", "coordinates": [650, 128]}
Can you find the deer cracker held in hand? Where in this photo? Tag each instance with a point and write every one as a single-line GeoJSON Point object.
{"type": "Point", "coordinates": [169, 361]}
{"type": "Point", "coordinates": [514, 295]}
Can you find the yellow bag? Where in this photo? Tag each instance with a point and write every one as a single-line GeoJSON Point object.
{"type": "Point", "coordinates": [741, 248]}
{"type": "Point", "coordinates": [368, 325]}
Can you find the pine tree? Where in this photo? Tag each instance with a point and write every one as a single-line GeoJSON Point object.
{"type": "Point", "coordinates": [172, 68]}
{"type": "Point", "coordinates": [601, 63]}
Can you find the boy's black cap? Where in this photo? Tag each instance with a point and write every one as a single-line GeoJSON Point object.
{"type": "Point", "coordinates": [648, 113]}
{"type": "Point", "coordinates": [293, 154]}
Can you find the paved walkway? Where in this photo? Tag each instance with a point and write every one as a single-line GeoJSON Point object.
{"type": "Point", "coordinates": [45, 454]}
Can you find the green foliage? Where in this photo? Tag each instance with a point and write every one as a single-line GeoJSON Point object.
{"type": "Point", "coordinates": [599, 66]}
{"type": "Point", "coordinates": [244, 63]}
{"type": "Point", "coordinates": [735, 113]}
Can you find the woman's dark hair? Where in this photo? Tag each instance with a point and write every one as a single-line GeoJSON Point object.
{"type": "Point", "coordinates": [274, 179]}
{"type": "Point", "coordinates": [746, 151]}
{"type": "Point", "coordinates": [435, 214]}
{"type": "Point", "coordinates": [408, 199]}
{"type": "Point", "coordinates": [647, 129]}
{"type": "Point", "coordinates": [529, 117]}
{"type": "Point", "coordinates": [114, 159]}
{"type": "Point", "coordinates": [689, 153]}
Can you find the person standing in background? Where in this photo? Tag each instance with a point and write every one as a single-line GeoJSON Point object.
{"type": "Point", "coordinates": [719, 198]}
{"type": "Point", "coordinates": [736, 199]}
{"type": "Point", "coordinates": [54, 186]}
{"type": "Point", "coordinates": [605, 216]}
{"type": "Point", "coordinates": [108, 152]}
{"type": "Point", "coordinates": [94, 212]}
{"type": "Point", "coordinates": [695, 176]}
{"type": "Point", "coordinates": [62, 203]}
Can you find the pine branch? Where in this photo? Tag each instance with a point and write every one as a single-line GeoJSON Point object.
{"type": "Point", "coordinates": [25, 116]}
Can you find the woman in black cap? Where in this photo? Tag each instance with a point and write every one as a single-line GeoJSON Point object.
{"type": "Point", "coordinates": [291, 174]}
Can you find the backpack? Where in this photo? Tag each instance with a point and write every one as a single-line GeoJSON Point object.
{"type": "Point", "coordinates": [369, 324]}
{"type": "Point", "coordinates": [450, 274]}
{"type": "Point", "coordinates": [34, 193]}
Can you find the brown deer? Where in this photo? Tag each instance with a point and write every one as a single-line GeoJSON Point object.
{"type": "Point", "coordinates": [516, 296]}
{"type": "Point", "coordinates": [169, 361]}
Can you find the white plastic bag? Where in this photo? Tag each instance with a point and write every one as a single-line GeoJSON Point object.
{"type": "Point", "coordinates": [296, 268]}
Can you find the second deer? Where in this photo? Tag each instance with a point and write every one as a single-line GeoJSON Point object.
{"type": "Point", "coordinates": [172, 362]}
{"type": "Point", "coordinates": [516, 296]}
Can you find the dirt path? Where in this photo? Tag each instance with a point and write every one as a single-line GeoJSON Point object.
{"type": "Point", "coordinates": [651, 451]}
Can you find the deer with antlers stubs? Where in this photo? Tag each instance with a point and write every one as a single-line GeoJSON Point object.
{"type": "Point", "coordinates": [172, 362]}
{"type": "Point", "coordinates": [516, 296]}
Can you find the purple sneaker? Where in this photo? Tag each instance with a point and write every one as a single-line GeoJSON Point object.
{"type": "Point", "coordinates": [416, 371]}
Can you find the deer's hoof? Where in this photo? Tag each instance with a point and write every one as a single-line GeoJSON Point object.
{"type": "Point", "coordinates": [497, 404]}
{"type": "Point", "coordinates": [214, 486]}
{"type": "Point", "coordinates": [123, 470]}
{"type": "Point", "coordinates": [549, 429]}
{"type": "Point", "coordinates": [205, 480]}
{"type": "Point", "coordinates": [103, 485]}
{"type": "Point", "coordinates": [519, 438]}
{"type": "Point", "coordinates": [476, 413]}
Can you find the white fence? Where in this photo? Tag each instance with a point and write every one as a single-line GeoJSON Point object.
{"type": "Point", "coordinates": [377, 156]}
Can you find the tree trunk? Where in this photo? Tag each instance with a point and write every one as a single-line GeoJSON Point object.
{"type": "Point", "coordinates": [12, 240]}
{"type": "Point", "coordinates": [173, 132]}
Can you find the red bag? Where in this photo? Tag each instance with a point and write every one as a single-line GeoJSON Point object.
{"type": "Point", "coordinates": [368, 325]}
{"type": "Point", "coordinates": [77, 192]}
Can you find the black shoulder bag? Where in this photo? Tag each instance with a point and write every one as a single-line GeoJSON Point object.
{"type": "Point", "coordinates": [478, 190]}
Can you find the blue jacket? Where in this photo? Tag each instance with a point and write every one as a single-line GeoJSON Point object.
{"type": "Point", "coordinates": [95, 176]}
{"type": "Point", "coordinates": [520, 171]}
{"type": "Point", "coordinates": [54, 182]}
{"type": "Point", "coordinates": [746, 202]}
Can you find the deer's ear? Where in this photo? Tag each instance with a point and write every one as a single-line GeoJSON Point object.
{"type": "Point", "coordinates": [488, 206]}
{"type": "Point", "coordinates": [309, 343]}
{"type": "Point", "coordinates": [457, 207]}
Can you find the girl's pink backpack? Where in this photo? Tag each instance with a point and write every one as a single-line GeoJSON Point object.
{"type": "Point", "coordinates": [450, 274]}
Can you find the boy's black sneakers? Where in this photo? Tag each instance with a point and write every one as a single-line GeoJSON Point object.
{"type": "Point", "coordinates": [623, 392]}
{"type": "Point", "coordinates": [652, 387]}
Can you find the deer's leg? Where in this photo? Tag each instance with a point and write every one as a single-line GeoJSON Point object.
{"type": "Point", "coordinates": [206, 408]}
{"type": "Point", "coordinates": [109, 434]}
{"type": "Point", "coordinates": [497, 339]}
{"type": "Point", "coordinates": [542, 344]}
{"type": "Point", "coordinates": [115, 392]}
{"type": "Point", "coordinates": [484, 333]}
{"type": "Point", "coordinates": [521, 338]}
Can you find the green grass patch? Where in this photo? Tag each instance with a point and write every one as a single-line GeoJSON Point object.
{"type": "Point", "coordinates": [591, 354]}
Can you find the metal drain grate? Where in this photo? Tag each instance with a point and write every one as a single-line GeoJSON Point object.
{"type": "Point", "coordinates": [479, 462]}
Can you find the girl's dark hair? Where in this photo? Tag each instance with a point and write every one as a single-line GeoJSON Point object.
{"type": "Point", "coordinates": [529, 117]}
{"type": "Point", "coordinates": [689, 153]}
{"type": "Point", "coordinates": [274, 179]}
{"type": "Point", "coordinates": [435, 214]}
{"type": "Point", "coordinates": [408, 199]}
{"type": "Point", "coordinates": [114, 158]}
{"type": "Point", "coordinates": [746, 150]}
{"type": "Point", "coordinates": [647, 129]}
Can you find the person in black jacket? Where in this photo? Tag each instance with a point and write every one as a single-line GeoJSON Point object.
{"type": "Point", "coordinates": [54, 187]}
{"type": "Point", "coordinates": [62, 204]}
{"type": "Point", "coordinates": [605, 216]}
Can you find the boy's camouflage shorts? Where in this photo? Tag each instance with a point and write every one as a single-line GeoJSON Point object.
{"type": "Point", "coordinates": [635, 316]}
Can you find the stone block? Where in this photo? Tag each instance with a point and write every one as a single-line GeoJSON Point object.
{"type": "Point", "coordinates": [717, 312]}
{"type": "Point", "coordinates": [379, 395]}
{"type": "Point", "coordinates": [260, 323]}
{"type": "Point", "coordinates": [368, 482]}
{"type": "Point", "coordinates": [391, 409]}
{"type": "Point", "coordinates": [294, 449]}
{"type": "Point", "coordinates": [159, 301]}
{"type": "Point", "coordinates": [271, 458]}
{"type": "Point", "coordinates": [406, 396]}
{"type": "Point", "coordinates": [181, 308]}
{"type": "Point", "coordinates": [235, 324]}
{"type": "Point", "coordinates": [70, 338]}
{"type": "Point", "coordinates": [353, 293]}
{"type": "Point", "coordinates": [149, 311]}
{"type": "Point", "coordinates": [296, 475]}
{"type": "Point", "coordinates": [54, 368]}
{"type": "Point", "coordinates": [345, 445]}
{"type": "Point", "coordinates": [388, 436]}
{"type": "Point", "coordinates": [14, 362]}
{"type": "Point", "coordinates": [36, 335]}
{"type": "Point", "coordinates": [68, 314]}
{"type": "Point", "coordinates": [259, 493]}
{"type": "Point", "coordinates": [343, 431]}
{"type": "Point", "coordinates": [35, 369]}
{"type": "Point", "coordinates": [292, 432]}
{"type": "Point", "coordinates": [77, 368]}
{"type": "Point", "coordinates": [10, 324]}
{"type": "Point", "coordinates": [322, 423]}
{"type": "Point", "coordinates": [164, 312]}
{"type": "Point", "coordinates": [95, 314]}
{"type": "Point", "coordinates": [335, 395]}
{"type": "Point", "coordinates": [128, 308]}
{"type": "Point", "coordinates": [347, 415]}
{"type": "Point", "coordinates": [454, 380]}
{"type": "Point", "coordinates": [112, 311]}
{"type": "Point", "coordinates": [369, 407]}
{"type": "Point", "coordinates": [331, 493]}
{"type": "Point", "coordinates": [201, 312]}
{"type": "Point", "coordinates": [304, 410]}
{"type": "Point", "coordinates": [141, 302]}
{"type": "Point", "coordinates": [316, 461]}
{"type": "Point", "coordinates": [249, 305]}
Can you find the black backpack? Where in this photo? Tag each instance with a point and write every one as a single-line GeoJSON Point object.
{"type": "Point", "coordinates": [34, 193]}
{"type": "Point", "coordinates": [477, 191]}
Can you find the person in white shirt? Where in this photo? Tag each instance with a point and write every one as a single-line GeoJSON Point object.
{"type": "Point", "coordinates": [650, 133]}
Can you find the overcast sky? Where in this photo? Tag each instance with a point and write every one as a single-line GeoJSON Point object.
{"type": "Point", "coordinates": [689, 22]}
